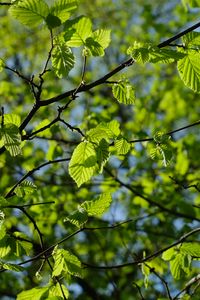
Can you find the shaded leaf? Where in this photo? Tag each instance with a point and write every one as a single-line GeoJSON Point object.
{"type": "Point", "coordinates": [34, 294]}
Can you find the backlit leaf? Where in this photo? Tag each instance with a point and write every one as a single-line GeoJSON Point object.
{"type": "Point", "coordinates": [62, 59]}
{"type": "Point", "coordinates": [189, 70]}
{"type": "Point", "coordinates": [83, 163]}
{"type": "Point", "coordinates": [124, 92]}
{"type": "Point", "coordinates": [30, 12]}
{"type": "Point", "coordinates": [99, 206]}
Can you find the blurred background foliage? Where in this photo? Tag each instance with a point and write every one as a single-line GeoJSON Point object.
{"type": "Point", "coordinates": [163, 104]}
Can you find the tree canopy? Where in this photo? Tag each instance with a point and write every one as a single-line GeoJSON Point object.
{"type": "Point", "coordinates": [99, 149]}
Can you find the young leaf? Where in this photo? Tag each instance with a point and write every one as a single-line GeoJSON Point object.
{"type": "Point", "coordinates": [77, 31]}
{"type": "Point", "coordinates": [11, 119]}
{"type": "Point", "coordinates": [30, 12]}
{"type": "Point", "coordinates": [66, 262]}
{"type": "Point", "coordinates": [96, 134]}
{"type": "Point", "coordinates": [62, 59]}
{"type": "Point", "coordinates": [63, 9]}
{"type": "Point", "coordinates": [177, 265]}
{"type": "Point", "coordinates": [124, 92]}
{"type": "Point", "coordinates": [33, 294]}
{"type": "Point", "coordinates": [93, 47]}
{"type": "Point", "coordinates": [78, 217]}
{"type": "Point", "coordinates": [25, 188]}
{"type": "Point", "coordinates": [122, 146]}
{"type": "Point", "coordinates": [72, 264]}
{"type": "Point", "coordinates": [191, 40]}
{"type": "Point", "coordinates": [59, 262]}
{"type": "Point", "coordinates": [102, 154]}
{"type": "Point", "coordinates": [83, 163]}
{"type": "Point", "coordinates": [189, 70]}
{"type": "Point", "coordinates": [56, 290]}
{"type": "Point", "coordinates": [11, 139]}
{"type": "Point", "coordinates": [99, 206]}
{"type": "Point", "coordinates": [102, 36]}
{"type": "Point", "coordinates": [112, 128]}
{"type": "Point", "coordinates": [139, 52]}
{"type": "Point", "coordinates": [193, 249]}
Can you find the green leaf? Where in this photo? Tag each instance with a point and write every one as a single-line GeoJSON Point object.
{"type": "Point", "coordinates": [191, 40]}
{"type": "Point", "coordinates": [11, 119]}
{"type": "Point", "coordinates": [102, 154]}
{"type": "Point", "coordinates": [63, 9]}
{"type": "Point", "coordinates": [12, 267]}
{"type": "Point", "coordinates": [139, 52]}
{"type": "Point", "coordinates": [78, 30]}
{"type": "Point", "coordinates": [72, 264]}
{"type": "Point", "coordinates": [55, 290]}
{"type": "Point", "coordinates": [30, 12]}
{"type": "Point", "coordinates": [59, 262]}
{"type": "Point", "coordinates": [111, 128]}
{"type": "Point", "coordinates": [177, 265]}
{"type": "Point", "coordinates": [62, 59]}
{"type": "Point", "coordinates": [66, 262]}
{"type": "Point", "coordinates": [99, 206]}
{"type": "Point", "coordinates": [83, 163]}
{"type": "Point", "coordinates": [78, 217]}
{"type": "Point", "coordinates": [93, 47]}
{"type": "Point", "coordinates": [146, 52]}
{"type": "Point", "coordinates": [33, 294]}
{"type": "Point", "coordinates": [189, 70]}
{"type": "Point", "coordinates": [11, 138]}
{"type": "Point", "coordinates": [97, 134]}
{"type": "Point", "coordinates": [169, 254]}
{"type": "Point", "coordinates": [122, 146]}
{"type": "Point", "coordinates": [102, 37]}
{"type": "Point", "coordinates": [193, 249]}
{"type": "Point", "coordinates": [25, 188]}
{"type": "Point", "coordinates": [124, 92]}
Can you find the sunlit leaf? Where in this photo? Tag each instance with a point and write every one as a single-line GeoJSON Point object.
{"type": "Point", "coordinates": [62, 59]}
{"type": "Point", "coordinates": [30, 12]}
{"type": "Point", "coordinates": [99, 206]}
{"type": "Point", "coordinates": [83, 163]}
{"type": "Point", "coordinates": [63, 9]}
{"type": "Point", "coordinates": [77, 31]}
{"type": "Point", "coordinates": [124, 92]}
{"type": "Point", "coordinates": [122, 146]}
{"type": "Point", "coordinates": [189, 70]}
{"type": "Point", "coordinates": [34, 294]}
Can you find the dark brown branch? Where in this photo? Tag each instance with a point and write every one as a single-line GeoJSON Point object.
{"type": "Point", "coordinates": [147, 258]}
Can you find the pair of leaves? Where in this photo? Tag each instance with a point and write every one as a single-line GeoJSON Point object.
{"type": "Point", "coordinates": [180, 258]}
{"type": "Point", "coordinates": [9, 133]}
{"type": "Point", "coordinates": [90, 156]}
{"type": "Point", "coordinates": [33, 12]}
{"type": "Point", "coordinates": [79, 33]}
{"type": "Point", "coordinates": [89, 208]}
{"type": "Point", "coordinates": [147, 52]}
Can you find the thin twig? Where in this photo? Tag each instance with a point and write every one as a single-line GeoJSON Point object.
{"type": "Point", "coordinates": [29, 173]}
